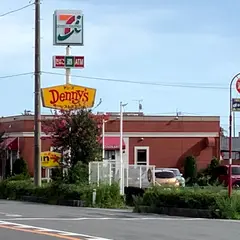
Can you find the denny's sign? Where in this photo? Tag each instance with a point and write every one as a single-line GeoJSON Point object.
{"type": "Point", "coordinates": [68, 96]}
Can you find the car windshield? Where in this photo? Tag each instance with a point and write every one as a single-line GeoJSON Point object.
{"type": "Point", "coordinates": [164, 174]}
{"type": "Point", "coordinates": [235, 170]}
{"type": "Point", "coordinates": [176, 172]}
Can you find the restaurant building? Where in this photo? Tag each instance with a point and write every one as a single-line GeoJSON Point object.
{"type": "Point", "coordinates": [163, 141]}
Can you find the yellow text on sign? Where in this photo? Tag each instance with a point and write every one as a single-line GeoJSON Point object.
{"type": "Point", "coordinates": [68, 96]}
{"type": "Point", "coordinates": [50, 159]}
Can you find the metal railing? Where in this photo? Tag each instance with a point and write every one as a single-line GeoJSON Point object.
{"type": "Point", "coordinates": [134, 175]}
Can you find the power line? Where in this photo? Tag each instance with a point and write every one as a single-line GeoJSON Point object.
{"type": "Point", "coordinates": [16, 10]}
{"type": "Point", "coordinates": [142, 83]}
{"type": "Point", "coordinates": [181, 85]}
{"type": "Point", "coordinates": [16, 75]}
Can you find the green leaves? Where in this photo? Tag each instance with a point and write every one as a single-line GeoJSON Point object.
{"type": "Point", "coordinates": [78, 131]}
{"type": "Point", "coordinates": [107, 196]}
{"type": "Point", "coordinates": [213, 199]}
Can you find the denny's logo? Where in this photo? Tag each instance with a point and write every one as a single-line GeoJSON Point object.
{"type": "Point", "coordinates": [68, 97]}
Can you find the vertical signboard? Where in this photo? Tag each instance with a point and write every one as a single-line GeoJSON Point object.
{"type": "Point", "coordinates": [236, 104]}
{"type": "Point", "coordinates": [68, 28]}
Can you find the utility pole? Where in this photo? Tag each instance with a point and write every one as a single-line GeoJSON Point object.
{"type": "Point", "coordinates": [37, 107]}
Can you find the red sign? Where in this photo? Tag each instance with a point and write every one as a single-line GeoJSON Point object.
{"type": "Point", "coordinates": [79, 62]}
{"type": "Point", "coordinates": [238, 85]}
{"type": "Point", "coordinates": [59, 61]}
{"type": "Point", "coordinates": [68, 62]}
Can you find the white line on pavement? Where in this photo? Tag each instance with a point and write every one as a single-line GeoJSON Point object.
{"type": "Point", "coordinates": [98, 218]}
{"type": "Point", "coordinates": [118, 219]}
{"type": "Point", "coordinates": [65, 233]}
{"type": "Point", "coordinates": [10, 214]}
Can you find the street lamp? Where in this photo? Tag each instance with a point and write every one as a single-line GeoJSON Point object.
{"type": "Point", "coordinates": [103, 137]}
{"type": "Point", "coordinates": [230, 138]}
{"type": "Point", "coordinates": [121, 148]}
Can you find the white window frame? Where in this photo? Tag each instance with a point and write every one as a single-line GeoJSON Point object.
{"type": "Point", "coordinates": [141, 148]}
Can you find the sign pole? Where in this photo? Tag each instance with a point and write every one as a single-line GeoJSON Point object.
{"type": "Point", "coordinates": [68, 70]}
{"type": "Point", "coordinates": [230, 133]}
{"type": "Point", "coordinates": [121, 149]}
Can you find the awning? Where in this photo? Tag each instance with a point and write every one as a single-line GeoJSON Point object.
{"type": "Point", "coordinates": [112, 143]}
{"type": "Point", "coordinates": [10, 143]}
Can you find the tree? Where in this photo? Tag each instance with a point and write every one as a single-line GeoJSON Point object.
{"type": "Point", "coordinates": [190, 169]}
{"type": "Point", "coordinates": [222, 132]}
{"type": "Point", "coordinates": [20, 167]}
{"type": "Point", "coordinates": [78, 131]}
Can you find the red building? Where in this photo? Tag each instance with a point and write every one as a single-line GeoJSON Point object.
{"type": "Point", "coordinates": [164, 141]}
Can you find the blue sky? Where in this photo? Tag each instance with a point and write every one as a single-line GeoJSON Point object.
{"type": "Point", "coordinates": [168, 42]}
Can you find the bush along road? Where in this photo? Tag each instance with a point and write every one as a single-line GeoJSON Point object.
{"type": "Point", "coordinates": [209, 202]}
{"type": "Point", "coordinates": [103, 196]}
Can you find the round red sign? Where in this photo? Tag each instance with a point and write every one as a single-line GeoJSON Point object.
{"type": "Point", "coordinates": [238, 85]}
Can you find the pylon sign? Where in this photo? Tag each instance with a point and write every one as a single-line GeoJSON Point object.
{"type": "Point", "coordinates": [68, 97]}
{"type": "Point", "coordinates": [68, 28]}
{"type": "Point", "coordinates": [236, 104]}
{"type": "Point", "coordinates": [238, 85]}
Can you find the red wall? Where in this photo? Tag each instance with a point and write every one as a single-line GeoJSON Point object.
{"type": "Point", "coordinates": [171, 152]}
{"type": "Point", "coordinates": [160, 126]}
{"type": "Point", "coordinates": [164, 152]}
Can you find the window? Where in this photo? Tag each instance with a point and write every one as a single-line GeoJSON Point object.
{"type": "Point", "coordinates": [176, 172]}
{"type": "Point", "coordinates": [141, 155]}
{"type": "Point", "coordinates": [110, 154]}
{"type": "Point", "coordinates": [164, 174]}
{"type": "Point", "coordinates": [235, 170]}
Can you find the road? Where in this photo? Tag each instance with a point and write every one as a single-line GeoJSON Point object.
{"type": "Point", "coordinates": [25, 221]}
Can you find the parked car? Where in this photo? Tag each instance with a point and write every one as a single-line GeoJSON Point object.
{"type": "Point", "coordinates": [165, 177]}
{"type": "Point", "coordinates": [221, 173]}
{"type": "Point", "coordinates": [177, 173]}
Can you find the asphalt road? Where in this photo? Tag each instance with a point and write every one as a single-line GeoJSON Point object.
{"type": "Point", "coordinates": [23, 221]}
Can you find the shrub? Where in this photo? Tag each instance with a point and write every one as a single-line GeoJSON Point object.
{"type": "Point", "coordinates": [214, 200]}
{"type": "Point", "coordinates": [78, 174]}
{"type": "Point", "coordinates": [208, 176]}
{"type": "Point", "coordinates": [190, 169]}
{"type": "Point", "coordinates": [132, 193]}
{"type": "Point", "coordinates": [108, 196]}
{"type": "Point", "coordinates": [57, 175]}
{"type": "Point", "coordinates": [20, 167]}
{"type": "Point", "coordinates": [19, 177]}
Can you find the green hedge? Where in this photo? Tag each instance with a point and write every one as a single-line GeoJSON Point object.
{"type": "Point", "coordinates": [107, 196]}
{"type": "Point", "coordinates": [214, 200]}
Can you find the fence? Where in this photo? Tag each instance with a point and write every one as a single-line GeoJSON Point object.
{"type": "Point", "coordinates": [134, 175]}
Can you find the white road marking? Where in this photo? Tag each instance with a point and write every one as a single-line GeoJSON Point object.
{"type": "Point", "coordinates": [10, 214]}
{"type": "Point", "coordinates": [98, 218]}
{"type": "Point", "coordinates": [118, 219]}
{"type": "Point", "coordinates": [60, 232]}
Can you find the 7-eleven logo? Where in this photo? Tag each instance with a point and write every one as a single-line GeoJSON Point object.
{"type": "Point", "coordinates": [72, 25]}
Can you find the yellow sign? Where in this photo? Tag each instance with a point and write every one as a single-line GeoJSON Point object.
{"type": "Point", "coordinates": [50, 159]}
{"type": "Point", "coordinates": [68, 96]}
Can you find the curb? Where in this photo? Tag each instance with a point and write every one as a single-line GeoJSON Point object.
{"type": "Point", "coordinates": [61, 202]}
